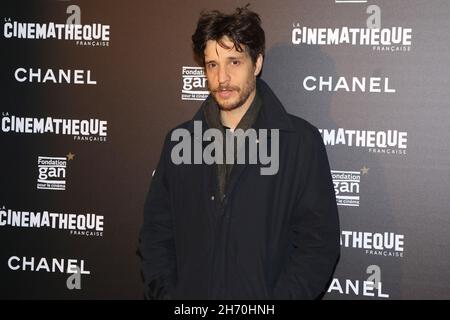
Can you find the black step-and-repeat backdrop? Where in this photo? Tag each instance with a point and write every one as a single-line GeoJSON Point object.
{"type": "Point", "coordinates": [90, 88]}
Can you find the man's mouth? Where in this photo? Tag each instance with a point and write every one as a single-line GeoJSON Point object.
{"type": "Point", "coordinates": [225, 93]}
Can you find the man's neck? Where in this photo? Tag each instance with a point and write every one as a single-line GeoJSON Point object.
{"type": "Point", "coordinates": [231, 118]}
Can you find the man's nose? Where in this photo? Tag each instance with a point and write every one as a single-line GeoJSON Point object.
{"type": "Point", "coordinates": [224, 77]}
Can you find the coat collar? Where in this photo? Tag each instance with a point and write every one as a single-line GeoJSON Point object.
{"type": "Point", "coordinates": [272, 114]}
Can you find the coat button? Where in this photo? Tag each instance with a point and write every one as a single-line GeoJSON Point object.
{"type": "Point", "coordinates": [212, 198]}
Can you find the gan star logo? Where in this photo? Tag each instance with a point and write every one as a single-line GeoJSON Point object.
{"type": "Point", "coordinates": [70, 156]}
{"type": "Point", "coordinates": [364, 170]}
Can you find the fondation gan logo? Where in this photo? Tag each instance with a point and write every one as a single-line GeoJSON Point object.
{"type": "Point", "coordinates": [52, 172]}
{"type": "Point", "coordinates": [347, 186]}
{"type": "Point", "coordinates": [194, 84]}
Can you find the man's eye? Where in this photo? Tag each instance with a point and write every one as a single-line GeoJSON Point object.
{"type": "Point", "coordinates": [211, 65]}
{"type": "Point", "coordinates": [236, 62]}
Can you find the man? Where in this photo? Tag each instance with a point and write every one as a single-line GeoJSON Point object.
{"type": "Point", "coordinates": [225, 230]}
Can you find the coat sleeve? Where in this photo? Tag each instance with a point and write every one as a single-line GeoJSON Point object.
{"type": "Point", "coordinates": [156, 241]}
{"type": "Point", "coordinates": [314, 230]}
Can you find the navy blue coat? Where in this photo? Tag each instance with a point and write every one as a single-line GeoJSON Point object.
{"type": "Point", "coordinates": [270, 237]}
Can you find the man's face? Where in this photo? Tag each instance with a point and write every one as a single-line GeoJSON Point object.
{"type": "Point", "coordinates": [231, 74]}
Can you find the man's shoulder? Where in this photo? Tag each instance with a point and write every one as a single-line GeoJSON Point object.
{"type": "Point", "coordinates": [303, 128]}
{"type": "Point", "coordinates": [184, 125]}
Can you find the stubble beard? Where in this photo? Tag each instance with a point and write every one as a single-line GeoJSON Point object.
{"type": "Point", "coordinates": [243, 95]}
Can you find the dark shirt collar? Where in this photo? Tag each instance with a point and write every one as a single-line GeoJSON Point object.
{"type": "Point", "coordinates": [212, 114]}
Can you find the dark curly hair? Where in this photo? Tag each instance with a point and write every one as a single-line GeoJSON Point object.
{"type": "Point", "coordinates": [243, 27]}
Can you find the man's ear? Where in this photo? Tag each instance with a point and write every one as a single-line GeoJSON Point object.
{"type": "Point", "coordinates": [258, 64]}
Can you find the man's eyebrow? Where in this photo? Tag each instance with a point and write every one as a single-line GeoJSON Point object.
{"type": "Point", "coordinates": [235, 57]}
{"type": "Point", "coordinates": [228, 58]}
